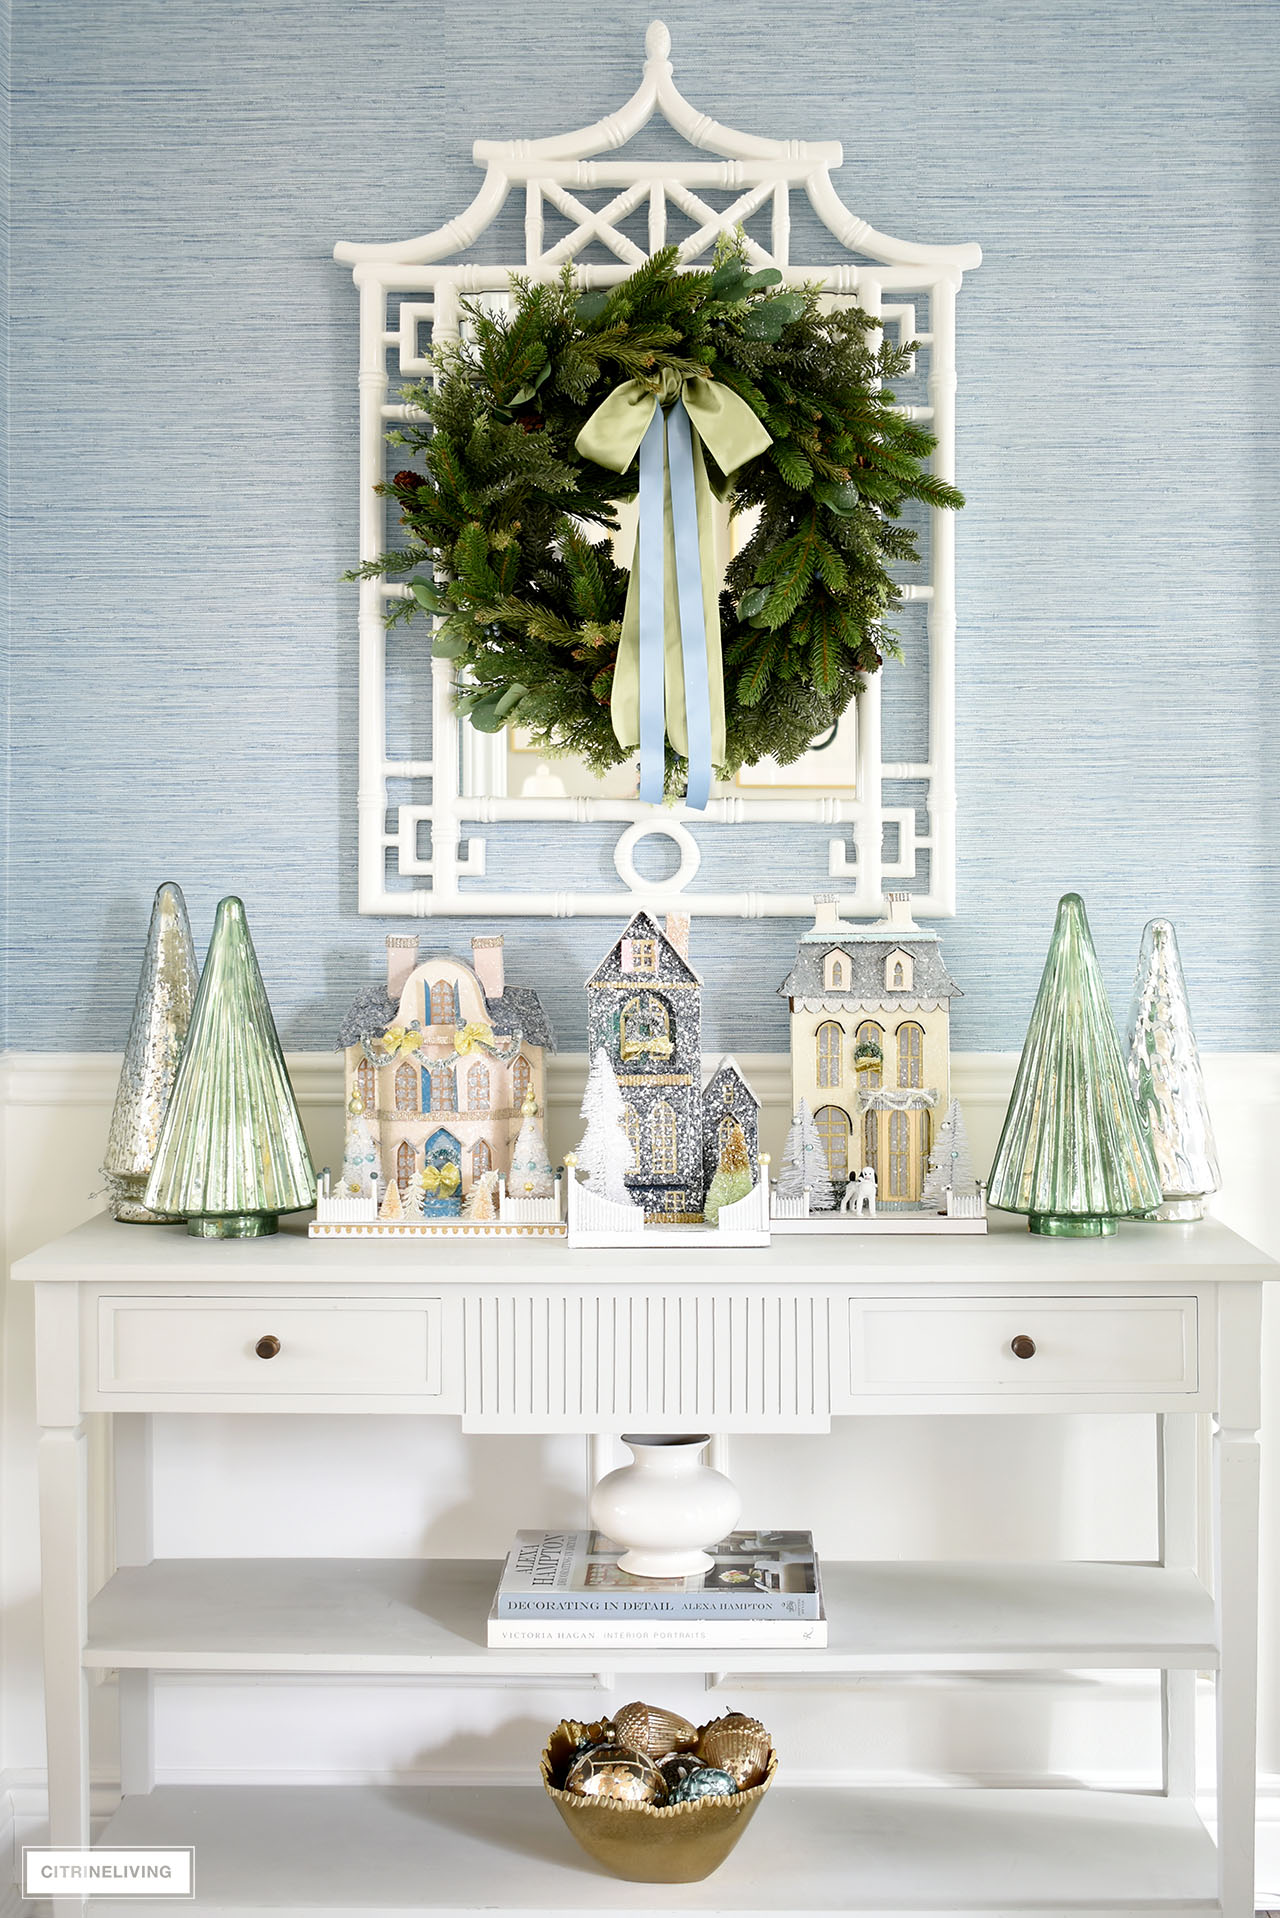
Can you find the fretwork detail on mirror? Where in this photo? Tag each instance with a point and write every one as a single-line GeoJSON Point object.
{"type": "Point", "coordinates": [870, 805]}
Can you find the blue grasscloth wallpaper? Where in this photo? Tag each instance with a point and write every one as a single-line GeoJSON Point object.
{"type": "Point", "coordinates": [182, 459]}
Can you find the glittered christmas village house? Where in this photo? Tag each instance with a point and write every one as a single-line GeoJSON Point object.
{"type": "Point", "coordinates": [444, 1062]}
{"type": "Point", "coordinates": [644, 1012]}
{"type": "Point", "coordinates": [870, 1044]}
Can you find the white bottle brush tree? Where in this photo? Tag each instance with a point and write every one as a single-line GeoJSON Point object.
{"type": "Point", "coordinates": [733, 1178]}
{"type": "Point", "coordinates": [950, 1163]}
{"type": "Point", "coordinates": [804, 1163]}
{"type": "Point", "coordinates": [360, 1160]}
{"type": "Point", "coordinates": [530, 1174]}
{"type": "Point", "coordinates": [604, 1151]}
{"type": "Point", "coordinates": [414, 1196]}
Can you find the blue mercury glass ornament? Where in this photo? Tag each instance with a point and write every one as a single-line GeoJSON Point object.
{"type": "Point", "coordinates": [710, 1782]}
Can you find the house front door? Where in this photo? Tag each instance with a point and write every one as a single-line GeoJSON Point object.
{"type": "Point", "coordinates": [442, 1166]}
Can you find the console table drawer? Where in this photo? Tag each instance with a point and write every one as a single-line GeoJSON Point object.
{"type": "Point", "coordinates": [267, 1347]}
{"type": "Point", "coordinates": [1024, 1345]}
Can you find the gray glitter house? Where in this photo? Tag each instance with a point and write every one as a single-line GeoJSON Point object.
{"type": "Point", "coordinates": [644, 1008]}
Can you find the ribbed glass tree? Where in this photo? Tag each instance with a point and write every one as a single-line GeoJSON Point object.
{"type": "Point", "coordinates": [1073, 1153]}
{"type": "Point", "coordinates": [157, 1034]}
{"type": "Point", "coordinates": [232, 1154]}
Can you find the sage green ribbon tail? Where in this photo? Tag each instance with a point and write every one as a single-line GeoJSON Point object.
{"type": "Point", "coordinates": [723, 422]}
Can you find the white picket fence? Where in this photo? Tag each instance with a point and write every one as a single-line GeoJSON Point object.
{"type": "Point", "coordinates": [345, 1209]}
{"type": "Point", "coordinates": [797, 1208]}
{"type": "Point", "coordinates": [965, 1205]}
{"type": "Point", "coordinates": [528, 1211]}
{"type": "Point", "coordinates": [594, 1220]}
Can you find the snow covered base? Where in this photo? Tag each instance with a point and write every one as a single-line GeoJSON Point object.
{"type": "Point", "coordinates": [966, 1212]}
{"type": "Point", "coordinates": [597, 1221]}
{"type": "Point", "coordinates": [349, 1216]}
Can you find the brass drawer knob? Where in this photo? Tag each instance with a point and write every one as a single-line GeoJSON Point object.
{"type": "Point", "coordinates": [1022, 1347]}
{"type": "Point", "coordinates": [268, 1346]}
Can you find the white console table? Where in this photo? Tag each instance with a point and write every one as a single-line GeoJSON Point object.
{"type": "Point", "coordinates": [529, 1337]}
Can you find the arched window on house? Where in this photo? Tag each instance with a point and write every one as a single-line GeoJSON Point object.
{"type": "Point", "coordinates": [644, 1029]}
{"type": "Point", "coordinates": [830, 1044]}
{"type": "Point", "coordinates": [406, 1164]}
{"type": "Point", "coordinates": [481, 1159]}
{"type": "Point", "coordinates": [478, 1096]}
{"type": "Point", "coordinates": [444, 1003]}
{"type": "Point", "coordinates": [835, 972]}
{"type": "Point", "coordinates": [910, 1054]}
{"type": "Point", "coordinates": [662, 1138]}
{"type": "Point", "coordinates": [833, 1130]}
{"type": "Point", "coordinates": [521, 1080]}
{"type": "Point", "coordinates": [367, 1086]}
{"type": "Point", "coordinates": [868, 1055]}
{"type": "Point", "coordinates": [444, 1089]}
{"type": "Point", "coordinates": [899, 972]}
{"type": "Point", "coordinates": [406, 1087]}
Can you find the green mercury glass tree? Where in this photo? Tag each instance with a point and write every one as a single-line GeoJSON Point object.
{"type": "Point", "coordinates": [232, 1154]}
{"type": "Point", "coordinates": [1073, 1153]}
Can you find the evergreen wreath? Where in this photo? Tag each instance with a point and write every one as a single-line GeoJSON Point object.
{"type": "Point", "coordinates": [531, 606]}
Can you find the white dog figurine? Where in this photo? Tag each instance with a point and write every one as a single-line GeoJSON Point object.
{"type": "Point", "coordinates": [860, 1194]}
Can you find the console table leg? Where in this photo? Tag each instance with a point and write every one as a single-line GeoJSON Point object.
{"type": "Point", "coordinates": [1177, 1436]}
{"type": "Point", "coordinates": [64, 1603]}
{"type": "Point", "coordinates": [1236, 1474]}
{"type": "Point", "coordinates": [133, 1505]}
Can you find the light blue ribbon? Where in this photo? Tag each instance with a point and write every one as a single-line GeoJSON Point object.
{"type": "Point", "coordinates": [668, 444]}
{"type": "Point", "coordinates": [652, 609]}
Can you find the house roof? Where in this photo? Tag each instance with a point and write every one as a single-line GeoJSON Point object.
{"type": "Point", "coordinates": [370, 1011]}
{"type": "Point", "coordinates": [521, 1007]}
{"type": "Point", "coordinates": [671, 961]}
{"type": "Point", "coordinates": [373, 1010]}
{"type": "Point", "coordinates": [866, 953]}
{"type": "Point", "coordinates": [729, 1067]}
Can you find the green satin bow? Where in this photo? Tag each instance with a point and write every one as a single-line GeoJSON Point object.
{"type": "Point", "coordinates": [722, 421]}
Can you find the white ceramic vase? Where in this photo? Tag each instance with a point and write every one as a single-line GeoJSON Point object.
{"type": "Point", "coordinates": [666, 1507]}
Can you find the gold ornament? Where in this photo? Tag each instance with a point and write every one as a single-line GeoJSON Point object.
{"type": "Point", "coordinates": [612, 1771]}
{"type": "Point", "coordinates": [650, 1729]}
{"type": "Point", "coordinates": [739, 1745]}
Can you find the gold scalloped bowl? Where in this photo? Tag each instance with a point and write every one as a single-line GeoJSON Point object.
{"type": "Point", "coordinates": [649, 1844]}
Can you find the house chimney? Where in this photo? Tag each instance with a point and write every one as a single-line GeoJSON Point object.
{"type": "Point", "coordinates": [676, 928]}
{"type": "Point", "coordinates": [486, 963]}
{"type": "Point", "coordinates": [899, 915]}
{"type": "Point", "coordinates": [402, 957]}
{"type": "Point", "coordinates": [826, 917]}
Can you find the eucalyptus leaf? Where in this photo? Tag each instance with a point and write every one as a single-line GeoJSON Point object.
{"type": "Point", "coordinates": [753, 602]}
{"type": "Point", "coordinates": [485, 717]}
{"type": "Point", "coordinates": [590, 306]}
{"type": "Point", "coordinates": [447, 643]}
{"type": "Point", "coordinates": [512, 697]}
{"type": "Point", "coordinates": [766, 321]}
{"type": "Point", "coordinates": [427, 594]}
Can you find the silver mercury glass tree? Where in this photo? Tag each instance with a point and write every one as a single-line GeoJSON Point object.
{"type": "Point", "coordinates": [1168, 1085]}
{"type": "Point", "coordinates": [157, 1033]}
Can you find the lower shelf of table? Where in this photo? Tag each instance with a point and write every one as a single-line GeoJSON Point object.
{"type": "Point", "coordinates": [390, 1852]}
{"type": "Point", "coordinates": [427, 1617]}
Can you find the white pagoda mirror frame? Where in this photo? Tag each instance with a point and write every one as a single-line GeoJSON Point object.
{"type": "Point", "coordinates": [467, 769]}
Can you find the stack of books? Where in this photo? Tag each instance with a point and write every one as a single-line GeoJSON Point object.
{"type": "Point", "coordinates": [564, 1588]}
